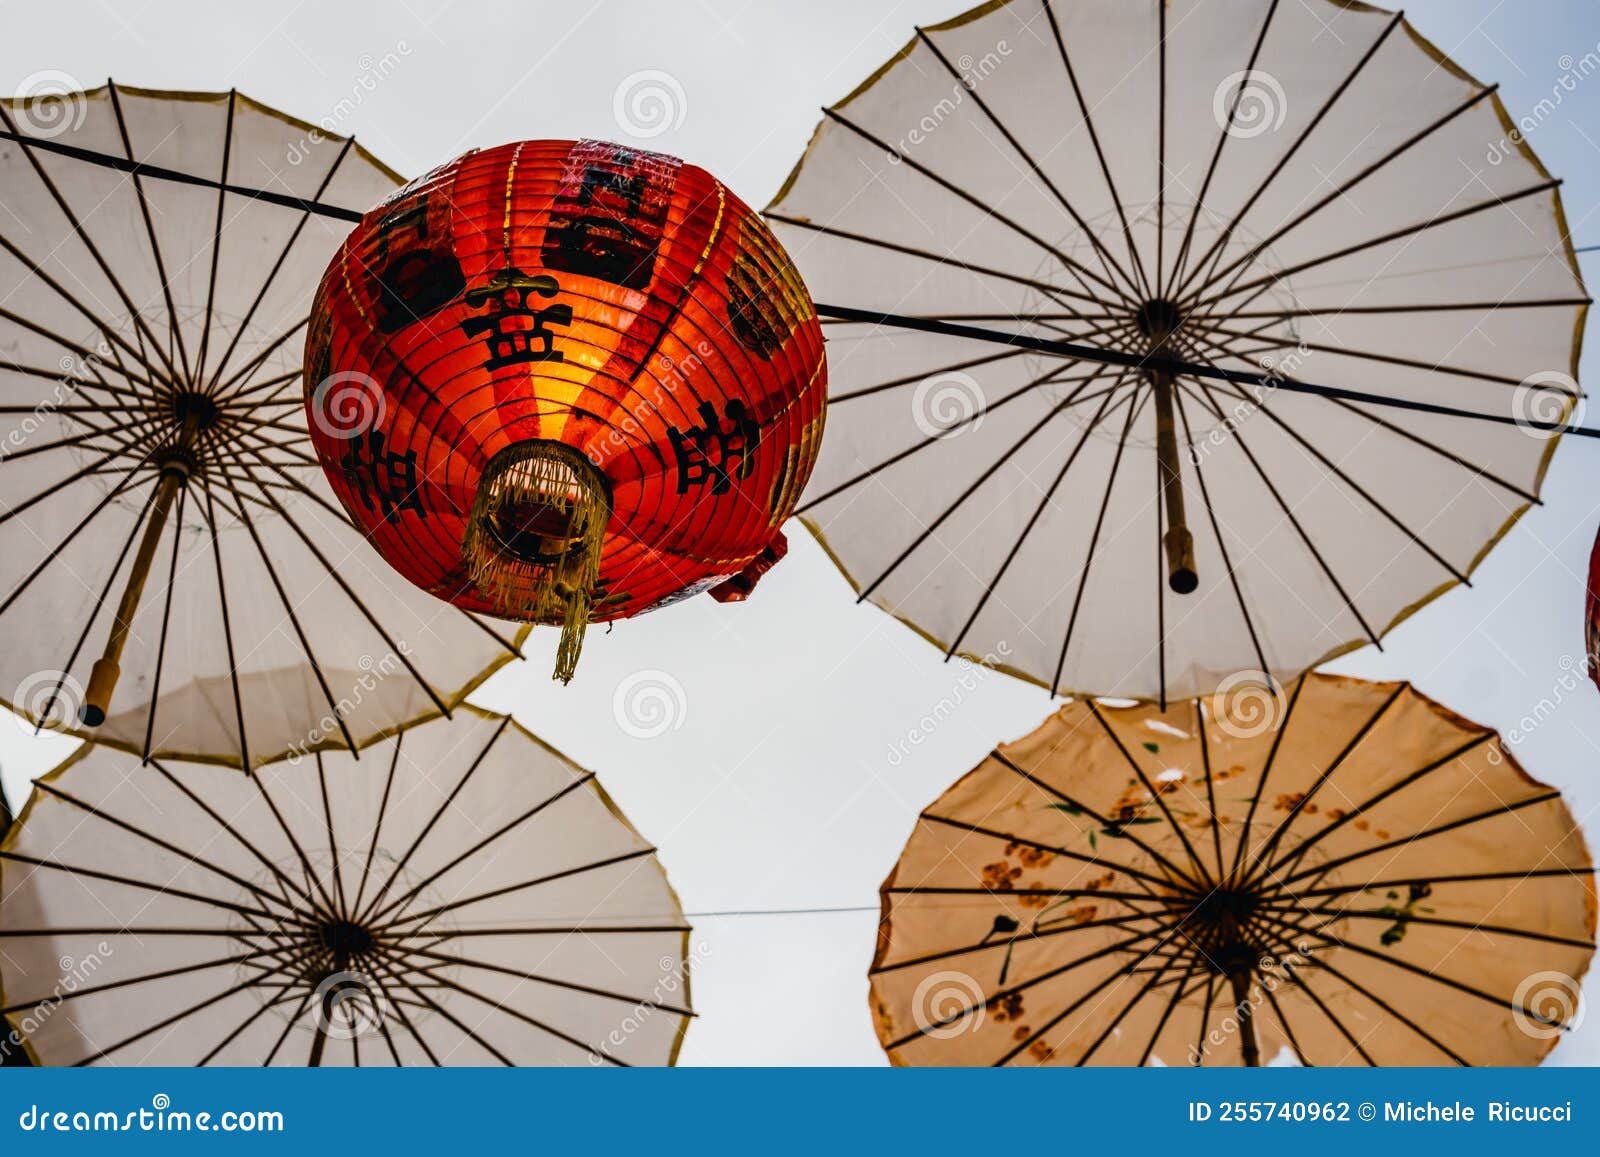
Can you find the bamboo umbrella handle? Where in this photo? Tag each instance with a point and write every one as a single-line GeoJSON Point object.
{"type": "Point", "coordinates": [1178, 541]}
{"type": "Point", "coordinates": [107, 668]}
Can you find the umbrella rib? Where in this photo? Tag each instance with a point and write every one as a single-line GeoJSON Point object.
{"type": "Point", "coordinates": [220, 392]}
{"type": "Point", "coordinates": [420, 920]}
{"type": "Point", "coordinates": [1107, 260]}
{"type": "Point", "coordinates": [1267, 281]}
{"type": "Point", "coordinates": [1223, 134]}
{"type": "Point", "coordinates": [104, 1053]}
{"type": "Point", "coordinates": [377, 827]}
{"type": "Point", "coordinates": [397, 906]}
{"type": "Point", "coordinates": [227, 631]}
{"type": "Point", "coordinates": [929, 440]}
{"type": "Point", "coordinates": [61, 291]}
{"type": "Point", "coordinates": [57, 550]}
{"type": "Point", "coordinates": [216, 238]}
{"type": "Point", "coordinates": [337, 870]}
{"type": "Point", "coordinates": [288, 1027]}
{"type": "Point", "coordinates": [1222, 545]}
{"type": "Point", "coordinates": [150, 230]}
{"type": "Point", "coordinates": [128, 981]}
{"type": "Point", "coordinates": [1059, 293]}
{"type": "Point", "coordinates": [1011, 941]}
{"type": "Point", "coordinates": [1304, 986]}
{"type": "Point", "coordinates": [1007, 837]}
{"type": "Point", "coordinates": [1283, 1020]}
{"type": "Point", "coordinates": [927, 531]}
{"type": "Point", "coordinates": [1136, 259]}
{"type": "Point", "coordinates": [1487, 813]}
{"type": "Point", "coordinates": [1161, 586]}
{"type": "Point", "coordinates": [1298, 854]}
{"type": "Point", "coordinates": [1033, 519]}
{"type": "Point", "coordinates": [29, 147]}
{"type": "Point", "coordinates": [145, 885]}
{"type": "Point", "coordinates": [909, 379]}
{"type": "Point", "coordinates": [1205, 1020]}
{"type": "Point", "coordinates": [1194, 857]}
{"type": "Point", "coordinates": [1105, 1033]}
{"type": "Point", "coordinates": [381, 966]}
{"type": "Point", "coordinates": [440, 937]}
{"type": "Point", "coordinates": [1241, 262]}
{"type": "Point", "coordinates": [90, 359]}
{"type": "Point", "coordinates": [1300, 530]}
{"type": "Point", "coordinates": [1094, 538]}
{"type": "Point", "coordinates": [122, 165]}
{"type": "Point", "coordinates": [1161, 160]}
{"type": "Point", "coordinates": [1097, 954]}
{"type": "Point", "coordinates": [1096, 817]}
{"type": "Point", "coordinates": [1214, 254]}
{"type": "Point", "coordinates": [1031, 1038]}
{"type": "Point", "coordinates": [294, 619]}
{"type": "Point", "coordinates": [282, 877]}
{"type": "Point", "coordinates": [339, 580]}
{"type": "Point", "coordinates": [1406, 966]}
{"type": "Point", "coordinates": [1339, 472]}
{"type": "Point", "coordinates": [1394, 917]}
{"type": "Point", "coordinates": [99, 605]}
{"type": "Point", "coordinates": [1261, 784]}
{"type": "Point", "coordinates": [189, 859]}
{"type": "Point", "coordinates": [1260, 861]}
{"type": "Point", "coordinates": [301, 488]}
{"type": "Point", "coordinates": [1211, 789]}
{"type": "Point", "coordinates": [283, 255]}
{"type": "Point", "coordinates": [1077, 269]}
{"type": "Point", "coordinates": [419, 992]}
{"type": "Point", "coordinates": [572, 986]}
{"type": "Point", "coordinates": [1384, 423]}
{"type": "Point", "coordinates": [372, 910]}
{"type": "Point", "coordinates": [1471, 877]}
{"type": "Point", "coordinates": [1166, 1014]}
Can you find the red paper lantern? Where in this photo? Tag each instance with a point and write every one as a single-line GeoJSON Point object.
{"type": "Point", "coordinates": [567, 382]}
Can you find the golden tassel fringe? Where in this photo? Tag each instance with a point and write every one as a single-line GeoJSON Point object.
{"type": "Point", "coordinates": [533, 540]}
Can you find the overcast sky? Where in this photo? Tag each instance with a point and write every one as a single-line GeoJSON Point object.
{"type": "Point", "coordinates": [777, 783]}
